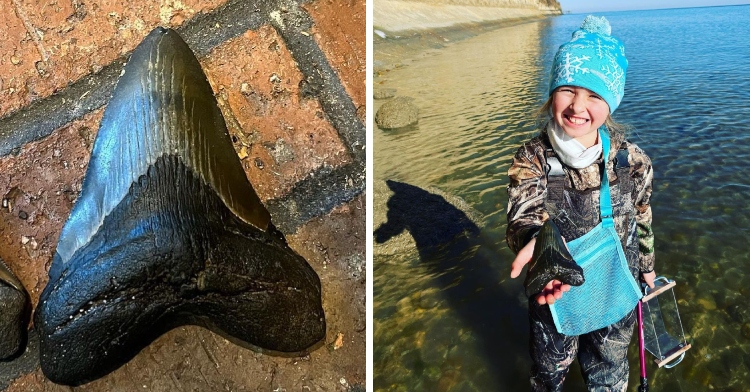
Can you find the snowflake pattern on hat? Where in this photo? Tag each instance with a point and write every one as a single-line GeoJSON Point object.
{"type": "Point", "coordinates": [592, 59]}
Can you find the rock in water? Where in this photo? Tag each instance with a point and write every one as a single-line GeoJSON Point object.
{"type": "Point", "coordinates": [167, 232]}
{"type": "Point", "coordinates": [14, 312]}
{"type": "Point", "coordinates": [551, 261]}
{"type": "Point", "coordinates": [399, 112]}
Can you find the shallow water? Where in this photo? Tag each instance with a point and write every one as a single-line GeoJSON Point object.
{"type": "Point", "coordinates": [448, 317]}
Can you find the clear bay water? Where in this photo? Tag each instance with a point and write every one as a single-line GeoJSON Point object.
{"type": "Point", "coordinates": [446, 315]}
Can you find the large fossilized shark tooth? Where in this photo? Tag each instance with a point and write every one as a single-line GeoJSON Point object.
{"type": "Point", "coordinates": [168, 231]}
{"type": "Point", "coordinates": [551, 261]}
{"type": "Point", "coordinates": [14, 312]}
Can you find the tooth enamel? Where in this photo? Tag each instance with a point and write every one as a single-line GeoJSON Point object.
{"type": "Point", "coordinates": [576, 120]}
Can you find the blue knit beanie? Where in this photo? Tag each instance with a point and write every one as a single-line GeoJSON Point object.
{"type": "Point", "coordinates": [593, 59]}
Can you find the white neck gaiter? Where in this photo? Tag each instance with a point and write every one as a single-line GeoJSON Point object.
{"type": "Point", "coordinates": [571, 151]}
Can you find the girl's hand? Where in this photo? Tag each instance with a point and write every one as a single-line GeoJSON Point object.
{"type": "Point", "coordinates": [649, 277]}
{"type": "Point", "coordinates": [552, 291]}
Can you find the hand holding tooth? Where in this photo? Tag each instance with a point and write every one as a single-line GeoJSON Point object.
{"type": "Point", "coordinates": [552, 270]}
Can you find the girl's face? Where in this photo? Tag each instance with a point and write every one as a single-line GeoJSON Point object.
{"type": "Point", "coordinates": [580, 113]}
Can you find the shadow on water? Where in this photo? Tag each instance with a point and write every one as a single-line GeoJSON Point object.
{"type": "Point", "coordinates": [465, 270]}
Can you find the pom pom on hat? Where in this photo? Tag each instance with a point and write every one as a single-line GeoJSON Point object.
{"type": "Point", "coordinates": [592, 24]}
{"type": "Point", "coordinates": [592, 59]}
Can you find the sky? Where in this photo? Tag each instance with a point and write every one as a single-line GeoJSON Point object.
{"type": "Point", "coordinates": [579, 6]}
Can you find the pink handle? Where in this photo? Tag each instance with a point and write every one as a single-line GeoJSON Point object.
{"type": "Point", "coordinates": [641, 350]}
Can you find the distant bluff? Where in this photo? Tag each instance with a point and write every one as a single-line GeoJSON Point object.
{"type": "Point", "coordinates": [551, 6]}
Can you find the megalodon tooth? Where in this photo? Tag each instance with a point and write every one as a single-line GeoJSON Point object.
{"type": "Point", "coordinates": [14, 313]}
{"type": "Point", "coordinates": [168, 231]}
{"type": "Point", "coordinates": [551, 261]}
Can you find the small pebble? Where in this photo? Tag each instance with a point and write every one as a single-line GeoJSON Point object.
{"type": "Point", "coordinates": [23, 215]}
{"type": "Point", "coordinates": [243, 152]}
{"type": "Point", "coordinates": [245, 89]}
{"type": "Point", "coordinates": [339, 341]}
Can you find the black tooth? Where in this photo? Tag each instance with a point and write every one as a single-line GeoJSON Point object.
{"type": "Point", "coordinates": [14, 313]}
{"type": "Point", "coordinates": [551, 261]}
{"type": "Point", "coordinates": [168, 231]}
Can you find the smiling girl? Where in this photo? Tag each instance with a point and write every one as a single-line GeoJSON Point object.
{"type": "Point", "coordinates": [583, 174]}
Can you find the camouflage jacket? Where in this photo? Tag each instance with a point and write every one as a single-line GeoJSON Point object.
{"type": "Point", "coordinates": [578, 213]}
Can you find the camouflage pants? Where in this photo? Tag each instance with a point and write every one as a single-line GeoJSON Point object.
{"type": "Point", "coordinates": [602, 354]}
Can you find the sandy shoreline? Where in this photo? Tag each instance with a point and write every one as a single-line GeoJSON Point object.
{"type": "Point", "coordinates": [395, 51]}
{"type": "Point", "coordinates": [393, 17]}
{"type": "Point", "coordinates": [405, 29]}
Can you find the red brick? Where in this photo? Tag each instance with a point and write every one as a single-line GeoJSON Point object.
{"type": "Point", "coordinates": [17, 56]}
{"type": "Point", "coordinates": [340, 31]}
{"type": "Point", "coordinates": [263, 114]}
{"type": "Point", "coordinates": [75, 38]}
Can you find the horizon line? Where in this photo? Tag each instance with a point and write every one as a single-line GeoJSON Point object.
{"type": "Point", "coordinates": [655, 9]}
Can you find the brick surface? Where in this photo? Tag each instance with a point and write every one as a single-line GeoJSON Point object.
{"type": "Point", "coordinates": [280, 136]}
{"type": "Point", "coordinates": [336, 19]}
{"type": "Point", "coordinates": [41, 183]}
{"type": "Point", "coordinates": [57, 42]}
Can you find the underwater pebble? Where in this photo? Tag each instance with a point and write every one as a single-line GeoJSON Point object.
{"type": "Point", "coordinates": [707, 303]}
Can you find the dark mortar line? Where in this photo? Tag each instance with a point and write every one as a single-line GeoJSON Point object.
{"type": "Point", "coordinates": [204, 32]}
{"type": "Point", "coordinates": [315, 196]}
{"type": "Point", "coordinates": [306, 201]}
{"type": "Point", "coordinates": [41, 118]}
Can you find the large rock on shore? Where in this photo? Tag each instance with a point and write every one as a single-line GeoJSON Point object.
{"type": "Point", "coordinates": [399, 112]}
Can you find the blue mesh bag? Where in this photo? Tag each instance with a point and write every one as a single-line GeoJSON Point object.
{"type": "Point", "coordinates": [610, 292]}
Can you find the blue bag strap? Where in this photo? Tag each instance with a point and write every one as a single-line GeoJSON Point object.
{"type": "Point", "coordinates": [605, 199]}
